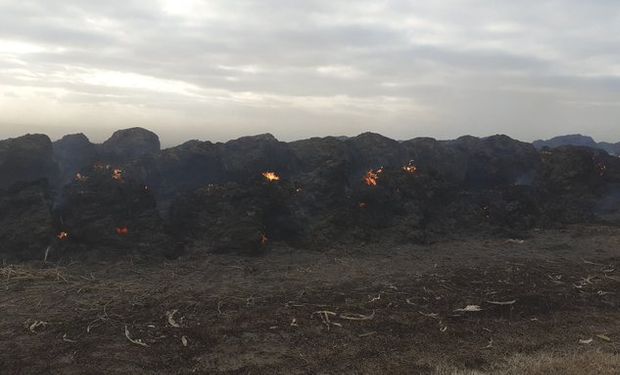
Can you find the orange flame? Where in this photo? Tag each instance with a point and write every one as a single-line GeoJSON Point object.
{"type": "Point", "coordinates": [271, 176]}
{"type": "Point", "coordinates": [117, 174]}
{"type": "Point", "coordinates": [62, 236]}
{"type": "Point", "coordinates": [263, 239]}
{"type": "Point", "coordinates": [372, 177]}
{"type": "Point", "coordinates": [122, 231]}
{"type": "Point", "coordinates": [410, 168]}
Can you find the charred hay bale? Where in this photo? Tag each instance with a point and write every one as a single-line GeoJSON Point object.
{"type": "Point", "coordinates": [317, 154]}
{"type": "Point", "coordinates": [370, 150]}
{"type": "Point", "coordinates": [237, 218]}
{"type": "Point", "coordinates": [507, 211]}
{"type": "Point", "coordinates": [384, 204]}
{"type": "Point", "coordinates": [104, 208]}
{"type": "Point", "coordinates": [572, 169]}
{"type": "Point", "coordinates": [27, 159]}
{"type": "Point", "coordinates": [26, 224]}
{"type": "Point", "coordinates": [497, 161]}
{"type": "Point", "coordinates": [74, 152]}
{"type": "Point", "coordinates": [196, 164]}
{"type": "Point", "coordinates": [130, 144]}
{"type": "Point", "coordinates": [579, 183]}
{"type": "Point", "coordinates": [244, 158]}
{"type": "Point", "coordinates": [438, 159]}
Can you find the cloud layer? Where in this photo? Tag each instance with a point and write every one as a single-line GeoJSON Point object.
{"type": "Point", "coordinates": [223, 68]}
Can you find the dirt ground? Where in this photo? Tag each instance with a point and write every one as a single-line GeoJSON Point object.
{"type": "Point", "coordinates": [547, 305]}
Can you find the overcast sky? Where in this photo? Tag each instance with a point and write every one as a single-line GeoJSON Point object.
{"type": "Point", "coordinates": [219, 69]}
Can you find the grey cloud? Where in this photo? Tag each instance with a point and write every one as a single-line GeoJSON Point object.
{"type": "Point", "coordinates": [446, 68]}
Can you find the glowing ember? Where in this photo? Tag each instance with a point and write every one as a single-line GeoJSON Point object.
{"type": "Point", "coordinates": [122, 231]}
{"type": "Point", "coordinates": [117, 174]}
{"type": "Point", "coordinates": [263, 239]}
{"type": "Point", "coordinates": [410, 168]}
{"type": "Point", "coordinates": [271, 176]}
{"type": "Point", "coordinates": [62, 236]}
{"type": "Point", "coordinates": [80, 178]}
{"type": "Point", "coordinates": [372, 177]}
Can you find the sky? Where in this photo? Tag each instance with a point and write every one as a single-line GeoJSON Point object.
{"type": "Point", "coordinates": [220, 69]}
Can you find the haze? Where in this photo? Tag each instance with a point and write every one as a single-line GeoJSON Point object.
{"type": "Point", "coordinates": [221, 69]}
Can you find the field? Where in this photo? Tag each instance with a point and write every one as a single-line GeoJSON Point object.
{"type": "Point", "coordinates": [543, 304]}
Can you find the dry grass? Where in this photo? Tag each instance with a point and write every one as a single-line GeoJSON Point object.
{"type": "Point", "coordinates": [373, 313]}
{"type": "Point", "coordinates": [591, 362]}
{"type": "Point", "coordinates": [12, 274]}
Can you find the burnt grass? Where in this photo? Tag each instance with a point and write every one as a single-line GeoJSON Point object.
{"type": "Point", "coordinates": [364, 309]}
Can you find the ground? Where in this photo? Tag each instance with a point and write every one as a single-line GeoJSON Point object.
{"type": "Point", "coordinates": [547, 305]}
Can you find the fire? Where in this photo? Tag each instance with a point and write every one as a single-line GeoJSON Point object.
{"type": "Point", "coordinates": [122, 231]}
{"type": "Point", "coordinates": [80, 178]}
{"type": "Point", "coordinates": [117, 174]}
{"type": "Point", "coordinates": [271, 176]}
{"type": "Point", "coordinates": [372, 177]}
{"type": "Point", "coordinates": [263, 239]}
{"type": "Point", "coordinates": [363, 205]}
{"type": "Point", "coordinates": [410, 168]}
{"type": "Point", "coordinates": [62, 236]}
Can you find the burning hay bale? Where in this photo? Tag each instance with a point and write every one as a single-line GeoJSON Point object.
{"type": "Point", "coordinates": [99, 212]}
{"type": "Point", "coordinates": [235, 218]}
{"type": "Point", "coordinates": [247, 194]}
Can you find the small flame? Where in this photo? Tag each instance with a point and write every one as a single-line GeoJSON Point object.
{"type": "Point", "coordinates": [80, 178]}
{"type": "Point", "coordinates": [372, 177]}
{"type": "Point", "coordinates": [410, 168]}
{"type": "Point", "coordinates": [62, 236]}
{"type": "Point", "coordinates": [122, 231]}
{"type": "Point", "coordinates": [271, 176]}
{"type": "Point", "coordinates": [363, 205]}
{"type": "Point", "coordinates": [117, 174]}
{"type": "Point", "coordinates": [263, 239]}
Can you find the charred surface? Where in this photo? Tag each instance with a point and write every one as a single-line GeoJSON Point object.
{"type": "Point", "coordinates": [242, 196]}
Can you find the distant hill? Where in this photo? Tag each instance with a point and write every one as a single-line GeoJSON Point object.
{"type": "Point", "coordinates": [578, 140]}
